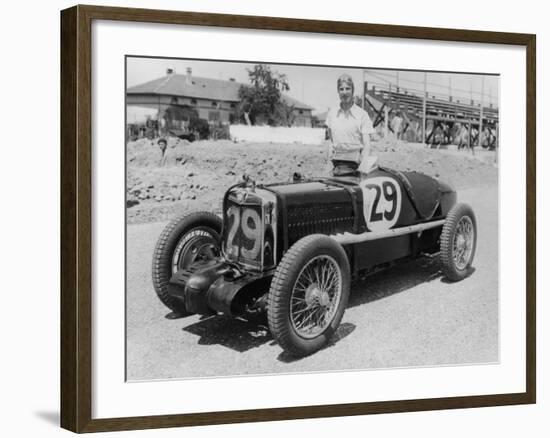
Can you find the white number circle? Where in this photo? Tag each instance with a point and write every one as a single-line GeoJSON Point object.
{"type": "Point", "coordinates": [381, 202]}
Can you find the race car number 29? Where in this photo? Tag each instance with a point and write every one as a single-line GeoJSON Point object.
{"type": "Point", "coordinates": [249, 224]}
{"type": "Point", "coordinates": [381, 202]}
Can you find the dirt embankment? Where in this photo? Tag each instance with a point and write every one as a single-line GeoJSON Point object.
{"type": "Point", "coordinates": [193, 176]}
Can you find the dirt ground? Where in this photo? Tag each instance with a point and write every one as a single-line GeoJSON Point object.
{"type": "Point", "coordinates": [193, 176]}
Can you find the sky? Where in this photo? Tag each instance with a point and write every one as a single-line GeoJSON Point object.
{"type": "Point", "coordinates": [316, 85]}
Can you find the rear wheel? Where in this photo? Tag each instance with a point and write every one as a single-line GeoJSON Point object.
{"type": "Point", "coordinates": [185, 240]}
{"type": "Point", "coordinates": [308, 295]}
{"type": "Point", "coordinates": [458, 242]}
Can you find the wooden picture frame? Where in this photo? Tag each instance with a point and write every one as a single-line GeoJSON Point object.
{"type": "Point", "coordinates": [76, 217]}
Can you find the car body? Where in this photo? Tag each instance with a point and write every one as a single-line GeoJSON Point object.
{"type": "Point", "coordinates": [291, 249]}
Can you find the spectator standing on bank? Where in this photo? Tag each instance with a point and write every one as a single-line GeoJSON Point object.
{"type": "Point", "coordinates": [396, 124]}
{"type": "Point", "coordinates": [162, 143]}
{"type": "Point", "coordinates": [349, 131]}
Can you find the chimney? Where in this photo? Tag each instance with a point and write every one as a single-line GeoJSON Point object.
{"type": "Point", "coordinates": [169, 71]}
{"type": "Point", "coordinates": [188, 76]}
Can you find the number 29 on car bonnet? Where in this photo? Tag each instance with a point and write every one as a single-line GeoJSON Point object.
{"type": "Point", "coordinates": [381, 202]}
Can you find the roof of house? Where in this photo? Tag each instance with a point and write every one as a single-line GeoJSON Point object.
{"type": "Point", "coordinates": [199, 88]}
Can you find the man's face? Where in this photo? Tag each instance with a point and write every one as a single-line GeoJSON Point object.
{"type": "Point", "coordinates": [345, 92]}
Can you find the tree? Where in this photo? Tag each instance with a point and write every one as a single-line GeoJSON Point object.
{"type": "Point", "coordinates": [175, 114]}
{"type": "Point", "coordinates": [262, 99]}
{"type": "Point", "coordinates": [285, 114]}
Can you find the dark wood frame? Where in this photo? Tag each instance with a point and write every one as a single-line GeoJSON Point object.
{"type": "Point", "coordinates": [76, 222]}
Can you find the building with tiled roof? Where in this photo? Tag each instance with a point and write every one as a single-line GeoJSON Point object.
{"type": "Point", "coordinates": [214, 100]}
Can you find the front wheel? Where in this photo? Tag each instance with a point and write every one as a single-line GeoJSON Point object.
{"type": "Point", "coordinates": [458, 242]}
{"type": "Point", "coordinates": [185, 240]}
{"type": "Point", "coordinates": [308, 295]}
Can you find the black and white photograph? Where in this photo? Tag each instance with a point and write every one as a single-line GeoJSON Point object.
{"type": "Point", "coordinates": [285, 218]}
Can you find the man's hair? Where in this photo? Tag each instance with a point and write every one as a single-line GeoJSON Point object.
{"type": "Point", "coordinates": [347, 79]}
{"type": "Point", "coordinates": [162, 141]}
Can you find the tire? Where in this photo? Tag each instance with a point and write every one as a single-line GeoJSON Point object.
{"type": "Point", "coordinates": [294, 299]}
{"type": "Point", "coordinates": [458, 242]}
{"type": "Point", "coordinates": [184, 240]}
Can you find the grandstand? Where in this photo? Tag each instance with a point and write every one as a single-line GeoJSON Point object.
{"type": "Point", "coordinates": [431, 118]}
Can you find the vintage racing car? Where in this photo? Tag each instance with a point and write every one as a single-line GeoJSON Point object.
{"type": "Point", "coordinates": [291, 249]}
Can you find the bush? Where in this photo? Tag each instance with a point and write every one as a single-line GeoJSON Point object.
{"type": "Point", "coordinates": [219, 132]}
{"type": "Point", "coordinates": [200, 126]}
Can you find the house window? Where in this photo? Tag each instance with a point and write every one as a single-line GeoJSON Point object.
{"type": "Point", "coordinates": [301, 112]}
{"type": "Point", "coordinates": [193, 101]}
{"type": "Point", "coordinates": [214, 104]}
{"type": "Point", "coordinates": [213, 116]}
{"type": "Point", "coordinates": [232, 105]}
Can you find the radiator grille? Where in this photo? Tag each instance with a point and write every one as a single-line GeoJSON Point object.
{"type": "Point", "coordinates": [322, 219]}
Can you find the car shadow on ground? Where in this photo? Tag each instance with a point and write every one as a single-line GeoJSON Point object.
{"type": "Point", "coordinates": [235, 333]}
{"type": "Point", "coordinates": [394, 280]}
{"type": "Point", "coordinates": [344, 330]}
{"type": "Point", "coordinates": [243, 335]}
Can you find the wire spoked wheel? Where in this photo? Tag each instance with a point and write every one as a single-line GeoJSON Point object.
{"type": "Point", "coordinates": [458, 242]}
{"type": "Point", "coordinates": [315, 296]}
{"type": "Point", "coordinates": [308, 295]}
{"type": "Point", "coordinates": [463, 242]}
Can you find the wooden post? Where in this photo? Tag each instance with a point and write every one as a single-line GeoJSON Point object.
{"type": "Point", "coordinates": [397, 80]}
{"type": "Point", "coordinates": [365, 87]}
{"type": "Point", "coordinates": [425, 95]}
{"type": "Point", "coordinates": [386, 114]}
{"type": "Point", "coordinates": [496, 142]}
{"type": "Point", "coordinates": [479, 137]}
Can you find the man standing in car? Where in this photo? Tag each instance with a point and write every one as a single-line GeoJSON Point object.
{"type": "Point", "coordinates": [349, 131]}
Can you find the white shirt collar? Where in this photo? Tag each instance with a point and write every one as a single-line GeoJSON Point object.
{"type": "Point", "coordinates": [351, 111]}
